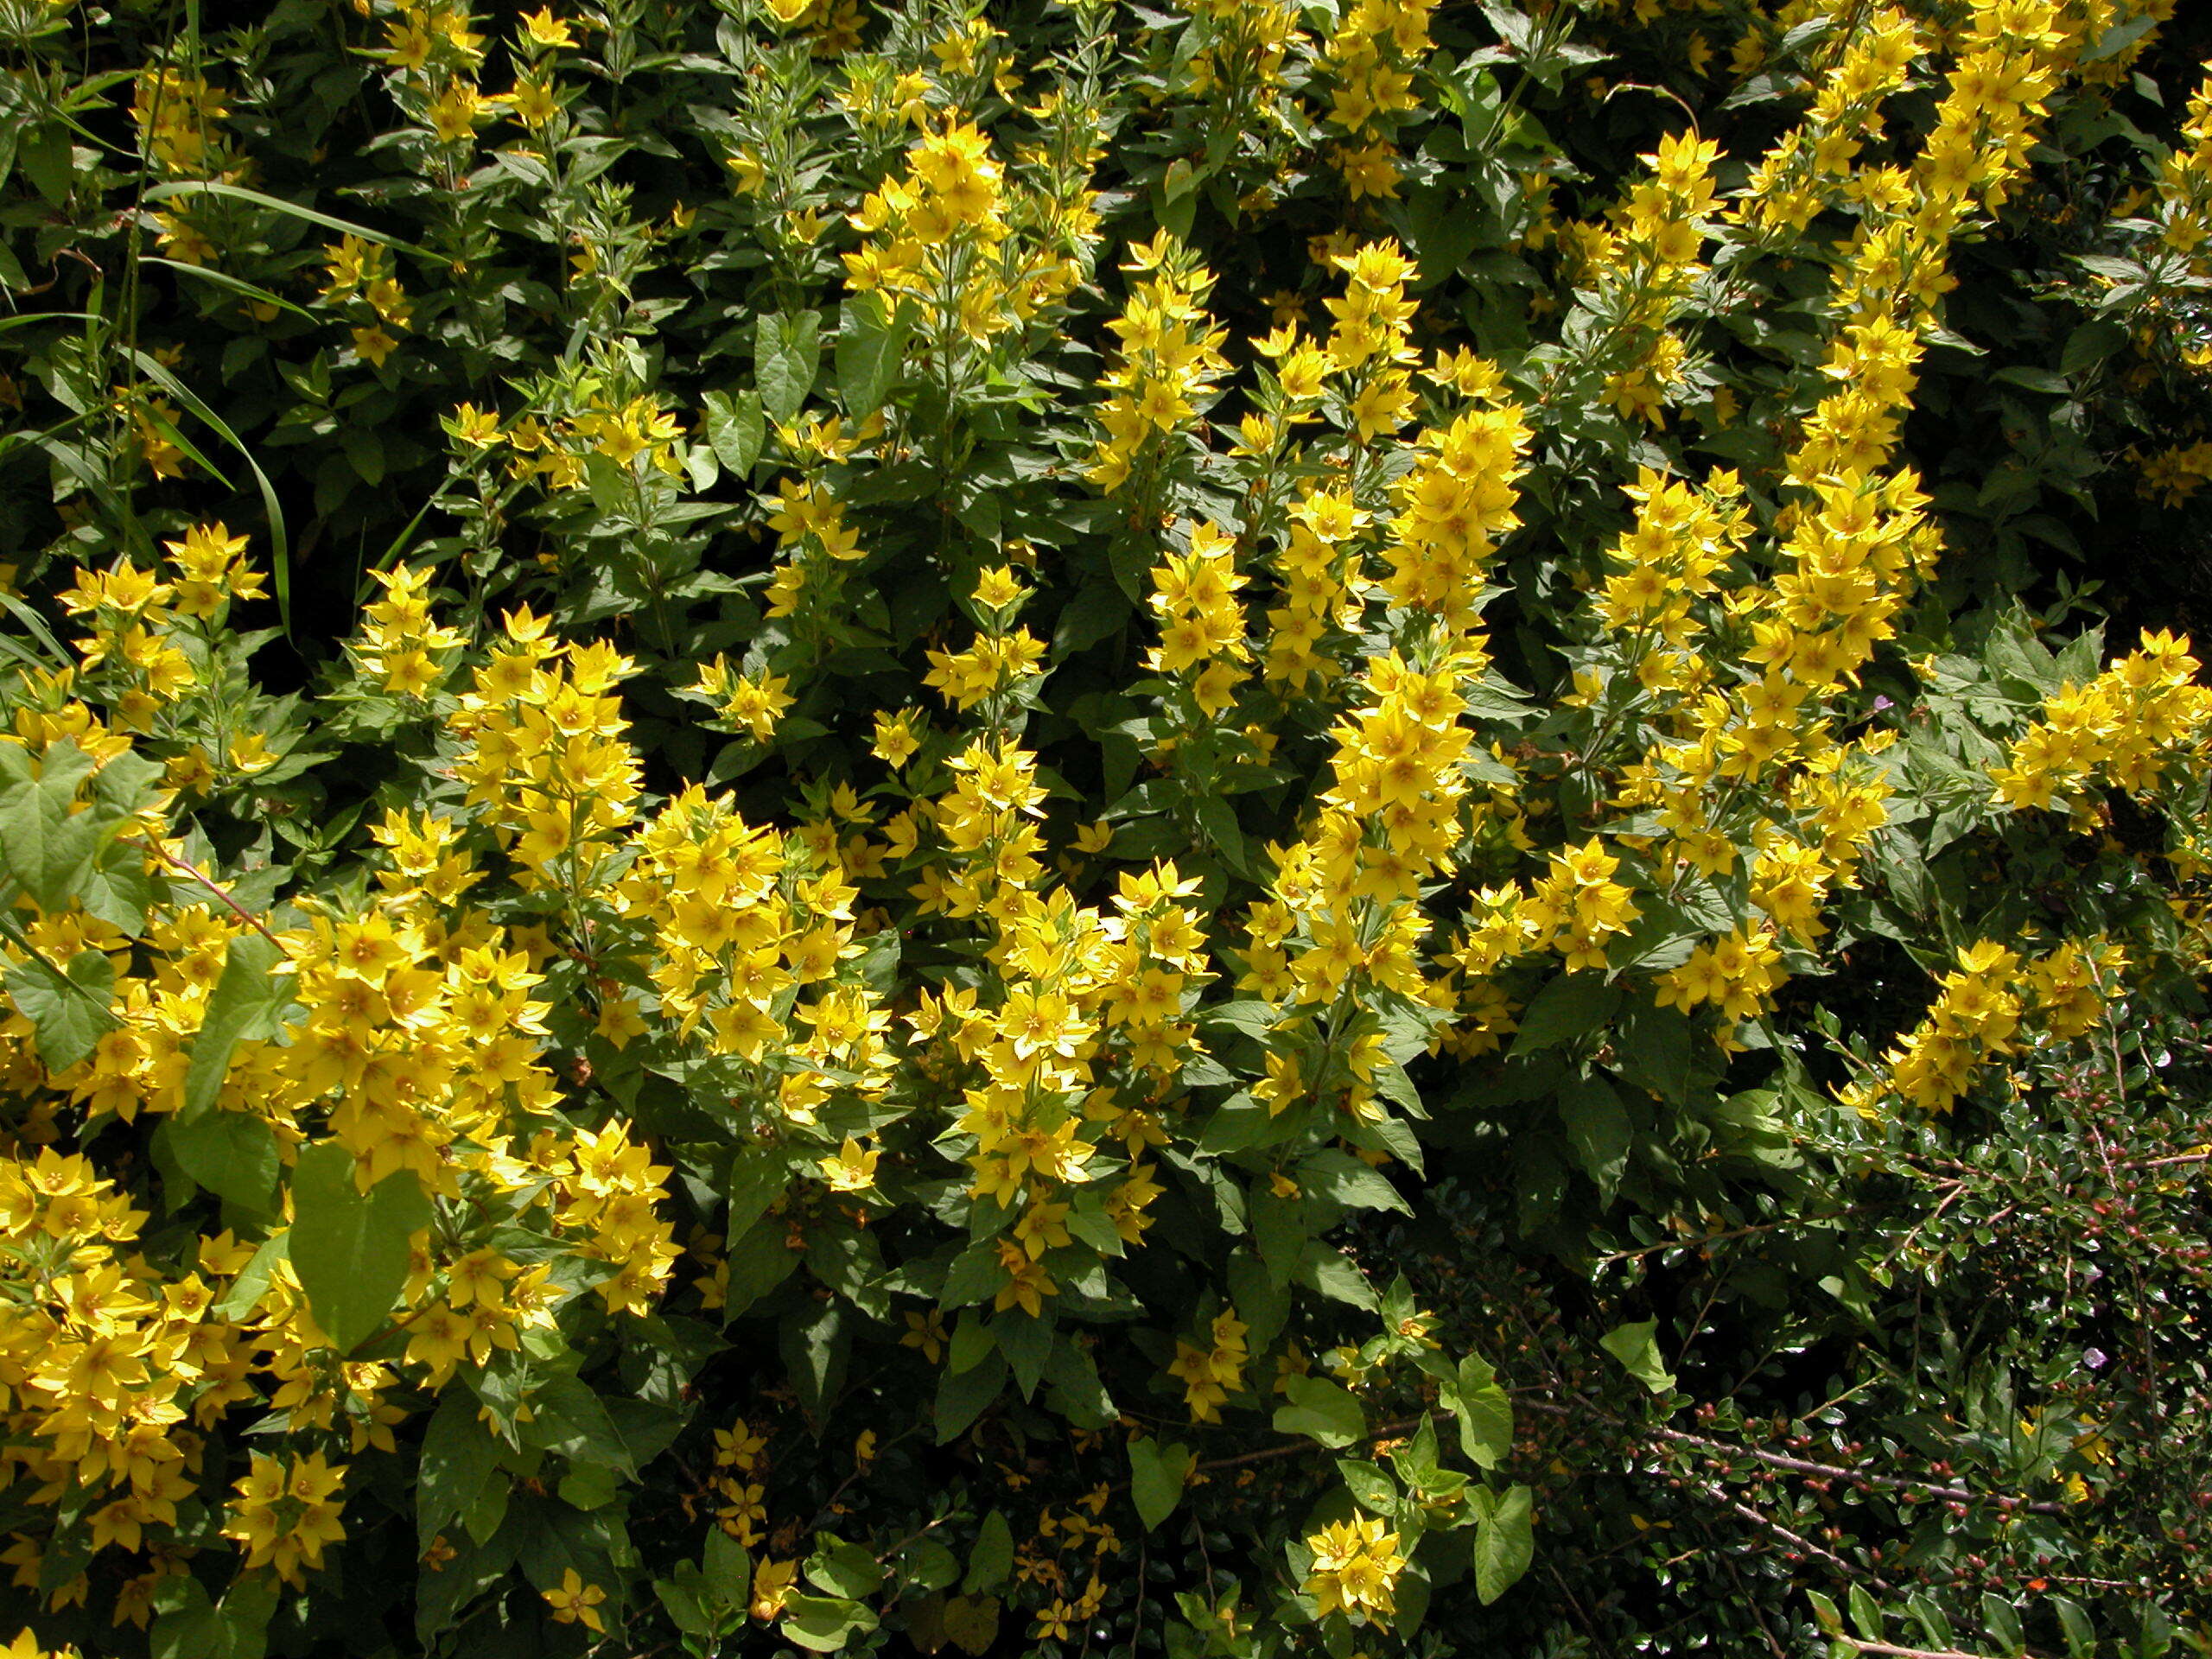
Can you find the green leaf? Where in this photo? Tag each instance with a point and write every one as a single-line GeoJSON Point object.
{"type": "Point", "coordinates": [992, 1559]}
{"type": "Point", "coordinates": [1570, 1007]}
{"type": "Point", "coordinates": [683, 1598]}
{"type": "Point", "coordinates": [786, 355]}
{"type": "Point", "coordinates": [2081, 1635]}
{"type": "Point", "coordinates": [972, 1623]}
{"type": "Point", "coordinates": [1485, 1412]}
{"type": "Point", "coordinates": [1158, 1473]}
{"type": "Point", "coordinates": [927, 1565]}
{"type": "Point", "coordinates": [1350, 1181]}
{"type": "Point", "coordinates": [45, 847]}
{"type": "Point", "coordinates": [1637, 1349]}
{"type": "Point", "coordinates": [190, 1626]}
{"type": "Point", "coordinates": [1865, 1614]}
{"type": "Point", "coordinates": [871, 349]}
{"type": "Point", "coordinates": [1597, 1127]}
{"type": "Point", "coordinates": [120, 890]}
{"type": "Point", "coordinates": [67, 1007]}
{"type": "Point", "coordinates": [245, 1291]}
{"type": "Point", "coordinates": [725, 1569]}
{"type": "Point", "coordinates": [2034, 379]}
{"type": "Point", "coordinates": [1825, 1614]}
{"type": "Point", "coordinates": [840, 1568]}
{"type": "Point", "coordinates": [735, 430]}
{"type": "Point", "coordinates": [1098, 611]}
{"type": "Point", "coordinates": [232, 1154]}
{"type": "Point", "coordinates": [2091, 343]}
{"type": "Point", "coordinates": [1027, 1345]}
{"type": "Point", "coordinates": [1335, 1275]}
{"type": "Point", "coordinates": [759, 1259]}
{"type": "Point", "coordinates": [243, 1004]}
{"type": "Point", "coordinates": [963, 1396]}
{"type": "Point", "coordinates": [223, 279]}
{"type": "Point", "coordinates": [1218, 818]}
{"type": "Point", "coordinates": [2000, 1622]}
{"type": "Point", "coordinates": [1505, 1542]}
{"type": "Point", "coordinates": [1443, 223]}
{"type": "Point", "coordinates": [350, 1249]}
{"type": "Point", "coordinates": [1370, 1486]}
{"type": "Point", "coordinates": [569, 1419]}
{"type": "Point", "coordinates": [1320, 1410]}
{"type": "Point", "coordinates": [756, 1180]}
{"type": "Point", "coordinates": [823, 1625]}
{"type": "Point", "coordinates": [459, 1464]}
{"type": "Point", "coordinates": [816, 1344]}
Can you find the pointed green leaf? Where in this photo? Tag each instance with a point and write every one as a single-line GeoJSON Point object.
{"type": "Point", "coordinates": [735, 430]}
{"type": "Point", "coordinates": [1637, 1349]}
{"type": "Point", "coordinates": [1158, 1473]}
{"type": "Point", "coordinates": [1505, 1543]}
{"type": "Point", "coordinates": [1485, 1414]}
{"type": "Point", "coordinates": [787, 356]}
{"type": "Point", "coordinates": [871, 349]}
{"type": "Point", "coordinates": [243, 1004]}
{"type": "Point", "coordinates": [68, 1007]}
{"type": "Point", "coordinates": [1320, 1410]}
{"type": "Point", "coordinates": [1596, 1127]}
{"type": "Point", "coordinates": [350, 1249]}
{"type": "Point", "coordinates": [232, 1154]}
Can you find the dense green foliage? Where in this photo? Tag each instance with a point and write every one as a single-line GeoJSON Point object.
{"type": "Point", "coordinates": [1067, 829]}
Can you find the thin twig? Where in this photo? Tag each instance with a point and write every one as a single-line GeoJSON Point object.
{"type": "Point", "coordinates": [910, 1538]}
{"type": "Point", "coordinates": [1297, 1447]}
{"type": "Point", "coordinates": [1797, 1541]}
{"type": "Point", "coordinates": [1752, 1602]}
{"type": "Point", "coordinates": [229, 903]}
{"type": "Point", "coordinates": [1803, 1467]}
{"type": "Point", "coordinates": [1734, 1232]}
{"type": "Point", "coordinates": [2161, 1163]}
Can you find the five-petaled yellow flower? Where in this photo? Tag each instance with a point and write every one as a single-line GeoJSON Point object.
{"type": "Point", "coordinates": [575, 1602]}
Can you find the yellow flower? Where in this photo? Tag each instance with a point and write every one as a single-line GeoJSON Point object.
{"type": "Point", "coordinates": [477, 428]}
{"type": "Point", "coordinates": [374, 343]}
{"type": "Point", "coordinates": [533, 101]}
{"type": "Point", "coordinates": [575, 1602]}
{"type": "Point", "coordinates": [772, 1584]}
{"type": "Point", "coordinates": [895, 742]}
{"type": "Point", "coordinates": [853, 1170]}
{"type": "Point", "coordinates": [455, 112]}
{"type": "Point", "coordinates": [1356, 1567]}
{"type": "Point", "coordinates": [926, 1332]}
{"type": "Point", "coordinates": [997, 590]}
{"type": "Point", "coordinates": [747, 171]}
{"type": "Point", "coordinates": [541, 28]}
{"type": "Point", "coordinates": [1027, 1283]}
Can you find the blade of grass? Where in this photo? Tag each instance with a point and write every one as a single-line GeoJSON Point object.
{"type": "Point", "coordinates": [32, 620]}
{"type": "Point", "coordinates": [279, 543]}
{"type": "Point", "coordinates": [223, 279]}
{"type": "Point", "coordinates": [167, 428]}
{"type": "Point", "coordinates": [277, 204]}
{"type": "Point", "coordinates": [29, 317]}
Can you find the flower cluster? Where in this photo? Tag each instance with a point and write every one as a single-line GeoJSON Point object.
{"type": "Point", "coordinates": [1356, 1568]}
{"type": "Point", "coordinates": [2126, 727]}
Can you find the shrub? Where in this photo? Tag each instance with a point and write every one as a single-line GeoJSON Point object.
{"type": "Point", "coordinates": [775, 770]}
